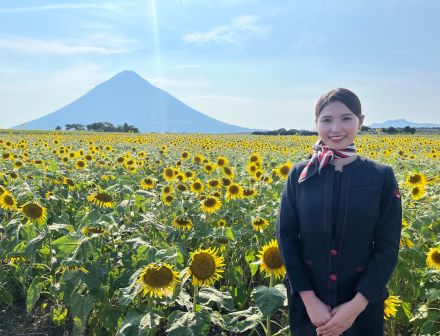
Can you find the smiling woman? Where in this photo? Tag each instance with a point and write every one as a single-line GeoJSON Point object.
{"type": "Point", "coordinates": [331, 224]}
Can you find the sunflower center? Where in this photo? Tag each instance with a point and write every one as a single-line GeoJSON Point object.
{"type": "Point", "coordinates": [233, 189]}
{"type": "Point", "coordinates": [158, 277]}
{"type": "Point", "coordinates": [182, 221]}
{"type": "Point", "coordinates": [227, 171]}
{"type": "Point", "coordinates": [169, 198]}
{"type": "Point", "coordinates": [436, 257]}
{"type": "Point", "coordinates": [284, 170]}
{"type": "Point", "coordinates": [415, 178]}
{"type": "Point", "coordinates": [272, 258]}
{"type": "Point", "coordinates": [203, 266]}
{"type": "Point", "coordinates": [221, 162]}
{"type": "Point", "coordinates": [103, 197]}
{"type": "Point", "coordinates": [8, 200]}
{"type": "Point", "coordinates": [81, 164]}
{"type": "Point", "coordinates": [210, 202]}
{"type": "Point", "coordinates": [169, 173]}
{"type": "Point", "coordinates": [259, 222]}
{"type": "Point", "coordinates": [33, 210]}
{"type": "Point", "coordinates": [197, 186]}
{"type": "Point", "coordinates": [415, 191]}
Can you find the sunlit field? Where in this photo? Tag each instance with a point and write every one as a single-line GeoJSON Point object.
{"type": "Point", "coordinates": [175, 234]}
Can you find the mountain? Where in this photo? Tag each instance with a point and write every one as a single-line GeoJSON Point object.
{"type": "Point", "coordinates": [402, 123]}
{"type": "Point", "coordinates": [128, 98]}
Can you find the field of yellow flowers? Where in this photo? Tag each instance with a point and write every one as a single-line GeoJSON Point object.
{"type": "Point", "coordinates": [162, 234]}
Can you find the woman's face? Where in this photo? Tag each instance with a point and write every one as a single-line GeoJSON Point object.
{"type": "Point", "coordinates": [337, 126]}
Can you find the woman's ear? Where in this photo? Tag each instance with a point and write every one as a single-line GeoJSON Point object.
{"type": "Point", "coordinates": [361, 121]}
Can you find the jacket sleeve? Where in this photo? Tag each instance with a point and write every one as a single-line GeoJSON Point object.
{"type": "Point", "coordinates": [288, 238]}
{"type": "Point", "coordinates": [386, 241]}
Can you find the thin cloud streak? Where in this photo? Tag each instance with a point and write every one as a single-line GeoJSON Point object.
{"type": "Point", "coordinates": [106, 6]}
{"type": "Point", "coordinates": [109, 45]}
{"type": "Point", "coordinates": [240, 29]}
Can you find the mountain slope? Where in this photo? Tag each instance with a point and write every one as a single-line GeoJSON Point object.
{"type": "Point", "coordinates": [129, 98]}
{"type": "Point", "coordinates": [402, 123]}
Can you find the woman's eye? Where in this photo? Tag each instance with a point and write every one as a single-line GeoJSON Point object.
{"type": "Point", "coordinates": [325, 120]}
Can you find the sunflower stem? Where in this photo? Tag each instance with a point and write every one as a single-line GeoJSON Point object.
{"type": "Point", "coordinates": [268, 330]}
{"type": "Point", "coordinates": [150, 304]}
{"type": "Point", "coordinates": [196, 292]}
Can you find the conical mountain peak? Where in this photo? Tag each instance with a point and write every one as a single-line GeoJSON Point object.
{"type": "Point", "coordinates": [128, 98]}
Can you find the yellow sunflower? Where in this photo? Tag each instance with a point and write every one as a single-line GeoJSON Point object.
{"type": "Point", "coordinates": [252, 168]}
{"type": "Point", "coordinates": [185, 155]}
{"type": "Point", "coordinates": [148, 183]}
{"type": "Point", "coordinates": [418, 192]}
{"type": "Point", "coordinates": [416, 179]}
{"type": "Point", "coordinates": [228, 171]}
{"type": "Point", "coordinates": [158, 280]}
{"type": "Point", "coordinates": [213, 183]}
{"type": "Point", "coordinates": [283, 170]}
{"type": "Point", "coordinates": [89, 230]}
{"type": "Point", "coordinates": [167, 190]}
{"type": "Point", "coordinates": [182, 223]}
{"type": "Point", "coordinates": [211, 204]}
{"type": "Point", "coordinates": [198, 158]}
{"type": "Point", "coordinates": [221, 222]}
{"type": "Point", "coordinates": [197, 186]}
{"type": "Point", "coordinates": [181, 187]}
{"type": "Point", "coordinates": [249, 192]}
{"type": "Point", "coordinates": [7, 201]}
{"type": "Point", "coordinates": [80, 164]}
{"type": "Point", "coordinates": [433, 258]}
{"type": "Point", "coordinates": [259, 224]}
{"type": "Point", "coordinates": [256, 158]}
{"type": "Point", "coordinates": [168, 174]}
{"type": "Point", "coordinates": [391, 303]}
{"type": "Point", "coordinates": [167, 199]}
{"type": "Point", "coordinates": [101, 199]}
{"type": "Point", "coordinates": [34, 212]}
{"type": "Point", "coordinates": [205, 267]}
{"type": "Point", "coordinates": [226, 181]}
{"type": "Point", "coordinates": [69, 183]}
{"type": "Point", "coordinates": [208, 168]}
{"type": "Point", "coordinates": [270, 260]}
{"type": "Point", "coordinates": [71, 265]}
{"type": "Point", "coordinates": [3, 190]}
{"type": "Point", "coordinates": [222, 161]}
{"type": "Point", "coordinates": [234, 191]}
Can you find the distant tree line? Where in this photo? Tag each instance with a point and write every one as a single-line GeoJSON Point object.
{"type": "Point", "coordinates": [364, 129]}
{"type": "Point", "coordinates": [101, 127]}
{"type": "Point", "coordinates": [396, 130]}
{"type": "Point", "coordinates": [283, 131]}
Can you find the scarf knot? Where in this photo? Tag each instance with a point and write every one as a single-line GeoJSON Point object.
{"type": "Point", "coordinates": [322, 156]}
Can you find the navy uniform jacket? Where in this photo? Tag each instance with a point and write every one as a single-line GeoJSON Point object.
{"type": "Point", "coordinates": [363, 253]}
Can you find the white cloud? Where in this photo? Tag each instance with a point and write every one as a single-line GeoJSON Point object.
{"type": "Point", "coordinates": [106, 6]}
{"type": "Point", "coordinates": [240, 29]}
{"type": "Point", "coordinates": [95, 44]}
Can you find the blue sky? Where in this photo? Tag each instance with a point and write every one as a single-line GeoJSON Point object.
{"type": "Point", "coordinates": [257, 64]}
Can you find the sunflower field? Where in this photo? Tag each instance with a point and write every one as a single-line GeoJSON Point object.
{"type": "Point", "coordinates": [163, 234]}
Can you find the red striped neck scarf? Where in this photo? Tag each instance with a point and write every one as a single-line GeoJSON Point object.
{"type": "Point", "coordinates": [322, 156]}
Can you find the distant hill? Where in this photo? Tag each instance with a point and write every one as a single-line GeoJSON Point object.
{"type": "Point", "coordinates": [402, 123]}
{"type": "Point", "coordinates": [128, 98]}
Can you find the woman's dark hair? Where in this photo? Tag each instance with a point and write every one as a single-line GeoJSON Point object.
{"type": "Point", "coordinates": [343, 96]}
